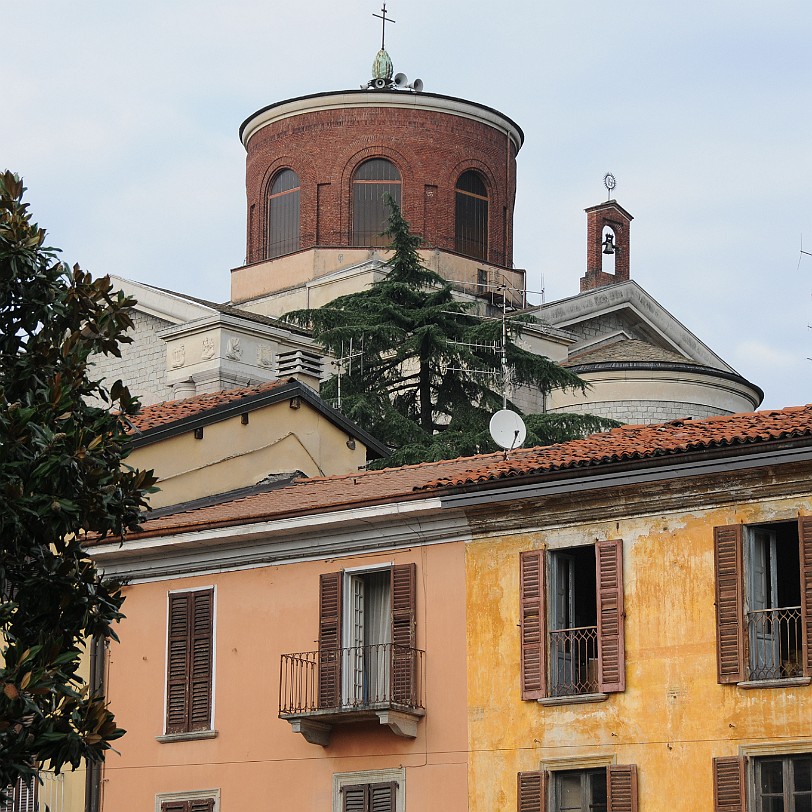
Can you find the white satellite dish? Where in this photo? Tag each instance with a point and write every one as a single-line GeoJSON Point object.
{"type": "Point", "coordinates": [507, 429]}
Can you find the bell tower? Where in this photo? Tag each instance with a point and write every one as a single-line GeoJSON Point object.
{"type": "Point", "coordinates": [607, 234]}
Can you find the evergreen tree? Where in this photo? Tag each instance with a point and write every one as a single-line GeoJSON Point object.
{"type": "Point", "coordinates": [61, 475]}
{"type": "Point", "coordinates": [422, 372]}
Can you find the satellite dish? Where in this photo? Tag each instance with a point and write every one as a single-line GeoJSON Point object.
{"type": "Point", "coordinates": [507, 429]}
{"type": "Point", "coordinates": [417, 85]}
{"type": "Point", "coordinates": [401, 80]}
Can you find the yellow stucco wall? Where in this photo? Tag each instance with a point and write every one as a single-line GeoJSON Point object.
{"type": "Point", "coordinates": [232, 455]}
{"type": "Point", "coordinates": [673, 717]}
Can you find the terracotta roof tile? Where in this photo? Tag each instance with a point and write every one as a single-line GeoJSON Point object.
{"type": "Point", "coordinates": [627, 443]}
{"type": "Point", "coordinates": [170, 411]}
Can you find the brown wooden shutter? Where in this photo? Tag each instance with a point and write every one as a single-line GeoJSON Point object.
{"type": "Point", "coordinates": [201, 805]}
{"type": "Point", "coordinates": [355, 798]}
{"type": "Point", "coordinates": [174, 806]}
{"type": "Point", "coordinates": [382, 797]}
{"type": "Point", "coordinates": [177, 671]}
{"type": "Point", "coordinates": [404, 627]}
{"type": "Point", "coordinates": [729, 603]}
{"type": "Point", "coordinates": [611, 636]}
{"type": "Point", "coordinates": [533, 624]}
{"type": "Point", "coordinates": [531, 795]}
{"type": "Point", "coordinates": [805, 537]}
{"type": "Point", "coordinates": [621, 788]}
{"type": "Point", "coordinates": [200, 658]}
{"type": "Point", "coordinates": [728, 784]}
{"type": "Point", "coordinates": [330, 640]}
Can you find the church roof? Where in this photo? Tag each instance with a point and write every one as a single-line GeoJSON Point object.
{"type": "Point", "coordinates": [626, 350]}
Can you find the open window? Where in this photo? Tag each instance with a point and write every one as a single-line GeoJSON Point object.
{"type": "Point", "coordinates": [572, 621]}
{"type": "Point", "coordinates": [606, 789]}
{"type": "Point", "coordinates": [773, 783]}
{"type": "Point", "coordinates": [764, 601]}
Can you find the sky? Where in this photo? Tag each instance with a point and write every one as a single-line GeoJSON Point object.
{"type": "Point", "coordinates": [122, 118]}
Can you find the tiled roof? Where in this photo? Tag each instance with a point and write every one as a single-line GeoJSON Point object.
{"type": "Point", "coordinates": [629, 350]}
{"type": "Point", "coordinates": [625, 444]}
{"type": "Point", "coordinates": [170, 411]}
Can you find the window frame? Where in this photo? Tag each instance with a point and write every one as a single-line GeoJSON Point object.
{"type": "Point", "coordinates": [536, 790]}
{"type": "Point", "coordinates": [209, 731]}
{"type": "Point", "coordinates": [363, 237]}
{"type": "Point", "coordinates": [394, 775]}
{"type": "Point", "coordinates": [271, 196]}
{"type": "Point", "coordinates": [461, 244]}
{"type": "Point", "coordinates": [188, 796]}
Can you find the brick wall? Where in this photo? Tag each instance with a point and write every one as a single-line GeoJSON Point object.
{"type": "Point", "coordinates": [430, 148]}
{"type": "Point", "coordinates": [142, 366]}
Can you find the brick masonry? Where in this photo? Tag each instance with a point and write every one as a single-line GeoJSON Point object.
{"type": "Point", "coordinates": [430, 148]}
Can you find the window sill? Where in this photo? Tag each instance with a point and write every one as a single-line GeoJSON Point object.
{"type": "Point", "coordinates": [574, 699]}
{"type": "Point", "coordinates": [166, 738]}
{"type": "Point", "coordinates": [790, 682]}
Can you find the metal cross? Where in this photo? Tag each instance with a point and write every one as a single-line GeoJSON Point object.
{"type": "Point", "coordinates": [384, 20]}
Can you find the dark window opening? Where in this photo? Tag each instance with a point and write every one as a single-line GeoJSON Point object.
{"type": "Point", "coordinates": [373, 181]}
{"type": "Point", "coordinates": [471, 219]}
{"type": "Point", "coordinates": [283, 214]}
{"type": "Point", "coordinates": [783, 784]}
{"type": "Point", "coordinates": [579, 791]}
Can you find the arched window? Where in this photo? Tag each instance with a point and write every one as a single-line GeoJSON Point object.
{"type": "Point", "coordinates": [471, 236]}
{"type": "Point", "coordinates": [372, 181]}
{"type": "Point", "coordinates": [283, 214]}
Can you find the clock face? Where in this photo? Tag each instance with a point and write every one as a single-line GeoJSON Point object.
{"type": "Point", "coordinates": [609, 180]}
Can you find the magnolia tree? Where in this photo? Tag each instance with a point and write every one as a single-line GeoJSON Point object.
{"type": "Point", "coordinates": [63, 442]}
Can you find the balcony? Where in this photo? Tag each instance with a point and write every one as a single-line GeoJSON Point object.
{"type": "Point", "coordinates": [775, 642]}
{"type": "Point", "coordinates": [320, 689]}
{"type": "Point", "coordinates": [31, 796]}
{"type": "Point", "coordinates": [574, 661]}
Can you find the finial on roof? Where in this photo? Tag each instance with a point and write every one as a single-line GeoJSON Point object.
{"type": "Point", "coordinates": [382, 68]}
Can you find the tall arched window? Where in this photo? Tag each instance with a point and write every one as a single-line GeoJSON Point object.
{"type": "Point", "coordinates": [471, 236]}
{"type": "Point", "coordinates": [283, 214]}
{"type": "Point", "coordinates": [372, 181]}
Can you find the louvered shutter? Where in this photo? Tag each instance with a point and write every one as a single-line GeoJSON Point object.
{"type": "Point", "coordinates": [621, 788]}
{"type": "Point", "coordinates": [404, 662]}
{"type": "Point", "coordinates": [805, 536]}
{"type": "Point", "coordinates": [729, 603]}
{"type": "Point", "coordinates": [382, 797]}
{"type": "Point", "coordinates": [189, 668]}
{"type": "Point", "coordinates": [200, 656]}
{"type": "Point", "coordinates": [174, 806]}
{"type": "Point", "coordinates": [201, 805]}
{"type": "Point", "coordinates": [611, 636]}
{"type": "Point", "coordinates": [533, 624]}
{"type": "Point", "coordinates": [531, 795]}
{"type": "Point", "coordinates": [728, 784]}
{"type": "Point", "coordinates": [355, 798]}
{"type": "Point", "coordinates": [330, 640]}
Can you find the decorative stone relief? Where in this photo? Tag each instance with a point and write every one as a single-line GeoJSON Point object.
{"type": "Point", "coordinates": [207, 353]}
{"type": "Point", "coordinates": [178, 356]}
{"type": "Point", "coordinates": [233, 349]}
{"type": "Point", "coordinates": [264, 357]}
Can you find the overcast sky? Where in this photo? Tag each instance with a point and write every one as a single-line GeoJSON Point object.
{"type": "Point", "coordinates": [123, 118]}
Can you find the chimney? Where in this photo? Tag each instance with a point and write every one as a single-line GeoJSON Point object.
{"type": "Point", "coordinates": [607, 232]}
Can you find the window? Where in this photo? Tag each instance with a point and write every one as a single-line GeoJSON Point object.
{"type": "Point", "coordinates": [763, 601]}
{"type": "Point", "coordinates": [207, 800]}
{"type": "Point", "coordinates": [23, 797]}
{"type": "Point", "coordinates": [471, 218]}
{"type": "Point", "coordinates": [283, 214]}
{"type": "Point", "coordinates": [190, 652]}
{"type": "Point", "coordinates": [372, 182]}
{"type": "Point", "coordinates": [572, 621]}
{"type": "Point", "coordinates": [370, 791]}
{"type": "Point", "coordinates": [607, 789]}
{"type": "Point", "coordinates": [194, 805]}
{"type": "Point", "coordinates": [777, 783]}
{"type": "Point", "coordinates": [367, 638]}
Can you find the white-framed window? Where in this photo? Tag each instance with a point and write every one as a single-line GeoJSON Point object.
{"type": "Point", "coordinates": [370, 791]}
{"type": "Point", "coordinates": [198, 800]}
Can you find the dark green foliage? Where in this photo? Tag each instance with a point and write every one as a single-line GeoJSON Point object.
{"type": "Point", "coordinates": [426, 376]}
{"type": "Point", "coordinates": [61, 475]}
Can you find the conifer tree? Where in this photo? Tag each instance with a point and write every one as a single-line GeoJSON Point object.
{"type": "Point", "coordinates": [422, 372]}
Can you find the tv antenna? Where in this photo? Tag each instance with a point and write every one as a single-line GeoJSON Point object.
{"type": "Point", "coordinates": [344, 364]}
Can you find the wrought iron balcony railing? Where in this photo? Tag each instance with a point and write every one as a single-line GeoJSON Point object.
{"type": "Point", "coordinates": [775, 643]}
{"type": "Point", "coordinates": [344, 680]}
{"type": "Point", "coordinates": [574, 661]}
{"type": "Point", "coordinates": [32, 796]}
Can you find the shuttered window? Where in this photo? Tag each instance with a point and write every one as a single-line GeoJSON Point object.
{"type": "Point", "coordinates": [22, 797]}
{"type": "Point", "coordinates": [404, 678]}
{"type": "Point", "coordinates": [561, 652]}
{"type": "Point", "coordinates": [189, 661]}
{"type": "Point", "coordinates": [369, 797]}
{"type": "Point", "coordinates": [613, 789]}
{"type": "Point", "coordinates": [763, 595]}
{"type": "Point", "coordinates": [192, 805]}
{"type": "Point", "coordinates": [728, 784]}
